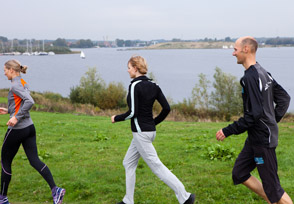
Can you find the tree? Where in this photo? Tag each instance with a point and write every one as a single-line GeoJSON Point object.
{"type": "Point", "coordinates": [200, 94]}
{"type": "Point", "coordinates": [228, 39]}
{"type": "Point", "coordinates": [3, 39]}
{"type": "Point", "coordinates": [227, 95]}
{"type": "Point", "coordinates": [60, 42]}
{"type": "Point", "coordinates": [120, 43]}
{"type": "Point", "coordinates": [128, 43]}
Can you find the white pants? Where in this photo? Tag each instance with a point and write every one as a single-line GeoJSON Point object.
{"type": "Point", "coordinates": [141, 146]}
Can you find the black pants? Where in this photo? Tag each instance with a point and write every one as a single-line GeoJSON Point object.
{"type": "Point", "coordinates": [266, 162]}
{"type": "Point", "coordinates": [13, 139]}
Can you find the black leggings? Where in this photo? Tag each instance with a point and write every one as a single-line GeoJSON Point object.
{"type": "Point", "coordinates": [13, 139]}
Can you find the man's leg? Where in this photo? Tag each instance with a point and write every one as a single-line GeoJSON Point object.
{"type": "Point", "coordinates": [256, 186]}
{"type": "Point", "coordinates": [285, 199]}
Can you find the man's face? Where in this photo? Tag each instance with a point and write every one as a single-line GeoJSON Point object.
{"type": "Point", "coordinates": [238, 52]}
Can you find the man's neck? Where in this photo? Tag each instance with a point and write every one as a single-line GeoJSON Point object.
{"type": "Point", "coordinates": [249, 62]}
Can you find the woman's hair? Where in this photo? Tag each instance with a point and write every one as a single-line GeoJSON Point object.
{"type": "Point", "coordinates": [140, 63]}
{"type": "Point", "coordinates": [16, 66]}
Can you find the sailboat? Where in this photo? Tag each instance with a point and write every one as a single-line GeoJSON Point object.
{"type": "Point", "coordinates": [83, 56]}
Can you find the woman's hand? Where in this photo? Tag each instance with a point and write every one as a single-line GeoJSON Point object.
{"type": "Point", "coordinates": [12, 121]}
{"type": "Point", "coordinates": [3, 111]}
{"type": "Point", "coordinates": [112, 118]}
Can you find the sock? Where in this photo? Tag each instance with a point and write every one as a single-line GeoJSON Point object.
{"type": "Point", "coordinates": [53, 190]}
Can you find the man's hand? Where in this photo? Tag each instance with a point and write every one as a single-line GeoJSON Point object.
{"type": "Point", "coordinates": [220, 135]}
{"type": "Point", "coordinates": [112, 119]}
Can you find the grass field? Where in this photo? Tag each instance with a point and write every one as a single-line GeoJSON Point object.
{"type": "Point", "coordinates": [85, 154]}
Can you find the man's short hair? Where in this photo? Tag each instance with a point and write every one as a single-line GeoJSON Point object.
{"type": "Point", "coordinates": [251, 42]}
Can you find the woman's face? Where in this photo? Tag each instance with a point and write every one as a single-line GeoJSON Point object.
{"type": "Point", "coordinates": [132, 71]}
{"type": "Point", "coordinates": [8, 73]}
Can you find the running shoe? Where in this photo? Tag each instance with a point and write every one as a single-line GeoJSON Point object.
{"type": "Point", "coordinates": [191, 199]}
{"type": "Point", "coordinates": [121, 202]}
{"type": "Point", "coordinates": [4, 200]}
{"type": "Point", "coordinates": [58, 195]}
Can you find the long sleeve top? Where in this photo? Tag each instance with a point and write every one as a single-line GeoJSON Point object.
{"type": "Point", "coordinates": [141, 96]}
{"type": "Point", "coordinates": [264, 103]}
{"type": "Point", "coordinates": [19, 103]}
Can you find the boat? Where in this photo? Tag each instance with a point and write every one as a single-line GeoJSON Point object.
{"type": "Point", "coordinates": [83, 56]}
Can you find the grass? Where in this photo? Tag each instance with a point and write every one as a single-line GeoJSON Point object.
{"type": "Point", "coordinates": [85, 154]}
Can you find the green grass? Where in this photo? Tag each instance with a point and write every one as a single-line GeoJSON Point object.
{"type": "Point", "coordinates": [3, 99]}
{"type": "Point", "coordinates": [85, 154]}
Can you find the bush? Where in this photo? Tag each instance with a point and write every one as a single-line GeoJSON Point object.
{"type": "Point", "coordinates": [113, 97]}
{"type": "Point", "coordinates": [93, 90]}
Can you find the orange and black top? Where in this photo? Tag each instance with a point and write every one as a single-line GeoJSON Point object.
{"type": "Point", "coordinates": [19, 103]}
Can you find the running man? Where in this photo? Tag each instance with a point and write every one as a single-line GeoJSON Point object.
{"type": "Point", "coordinates": [142, 94]}
{"type": "Point", "coordinates": [260, 92]}
{"type": "Point", "coordinates": [21, 130]}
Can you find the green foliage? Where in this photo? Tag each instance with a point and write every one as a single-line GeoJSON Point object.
{"type": "Point", "coordinates": [223, 102]}
{"type": "Point", "coordinates": [113, 97]}
{"type": "Point", "coordinates": [93, 90]}
{"type": "Point", "coordinates": [82, 44]}
{"type": "Point", "coordinates": [60, 42]}
{"type": "Point", "coordinates": [227, 95]}
{"type": "Point", "coordinates": [200, 94]}
{"type": "Point", "coordinates": [220, 152]}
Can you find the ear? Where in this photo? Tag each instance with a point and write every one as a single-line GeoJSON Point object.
{"type": "Point", "coordinates": [246, 49]}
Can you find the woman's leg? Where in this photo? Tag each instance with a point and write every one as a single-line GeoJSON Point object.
{"type": "Point", "coordinates": [143, 142]}
{"type": "Point", "coordinates": [130, 163]}
{"type": "Point", "coordinates": [30, 148]}
{"type": "Point", "coordinates": [9, 149]}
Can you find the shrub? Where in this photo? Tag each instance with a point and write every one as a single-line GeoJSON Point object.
{"type": "Point", "coordinates": [113, 97]}
{"type": "Point", "coordinates": [93, 90]}
{"type": "Point", "coordinates": [220, 152]}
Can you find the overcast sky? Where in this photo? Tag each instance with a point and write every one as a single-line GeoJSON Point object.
{"type": "Point", "coordinates": [145, 20]}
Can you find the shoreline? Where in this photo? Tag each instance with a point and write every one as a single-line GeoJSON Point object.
{"type": "Point", "coordinates": [195, 45]}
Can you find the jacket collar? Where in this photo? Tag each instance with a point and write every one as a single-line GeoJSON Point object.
{"type": "Point", "coordinates": [143, 78]}
{"type": "Point", "coordinates": [16, 78]}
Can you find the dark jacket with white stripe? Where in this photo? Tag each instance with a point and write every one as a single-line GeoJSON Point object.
{"type": "Point", "coordinates": [264, 102]}
{"type": "Point", "coordinates": [141, 96]}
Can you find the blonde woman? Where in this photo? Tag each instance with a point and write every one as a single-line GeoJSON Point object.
{"type": "Point", "coordinates": [21, 130]}
{"type": "Point", "coordinates": [142, 94]}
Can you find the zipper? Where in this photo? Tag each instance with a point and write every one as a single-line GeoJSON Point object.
{"type": "Point", "coordinates": [270, 133]}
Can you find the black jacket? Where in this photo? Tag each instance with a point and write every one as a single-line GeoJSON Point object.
{"type": "Point", "coordinates": [141, 96]}
{"type": "Point", "coordinates": [264, 102]}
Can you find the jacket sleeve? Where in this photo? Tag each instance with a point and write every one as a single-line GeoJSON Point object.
{"type": "Point", "coordinates": [253, 108]}
{"type": "Point", "coordinates": [133, 106]}
{"type": "Point", "coordinates": [165, 108]}
{"type": "Point", "coordinates": [281, 99]}
{"type": "Point", "coordinates": [27, 101]}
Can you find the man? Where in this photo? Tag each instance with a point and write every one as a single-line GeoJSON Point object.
{"type": "Point", "coordinates": [259, 92]}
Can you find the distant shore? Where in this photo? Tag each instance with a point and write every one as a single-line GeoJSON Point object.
{"type": "Point", "coordinates": [194, 45]}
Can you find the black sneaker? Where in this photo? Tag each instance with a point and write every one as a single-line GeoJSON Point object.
{"type": "Point", "coordinates": [191, 199]}
{"type": "Point", "coordinates": [121, 202]}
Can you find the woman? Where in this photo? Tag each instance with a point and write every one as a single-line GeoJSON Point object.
{"type": "Point", "coordinates": [142, 94]}
{"type": "Point", "coordinates": [21, 130]}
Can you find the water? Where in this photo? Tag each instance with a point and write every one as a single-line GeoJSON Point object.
{"type": "Point", "coordinates": [176, 71]}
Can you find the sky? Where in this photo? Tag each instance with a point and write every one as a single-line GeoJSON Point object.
{"type": "Point", "coordinates": [145, 20]}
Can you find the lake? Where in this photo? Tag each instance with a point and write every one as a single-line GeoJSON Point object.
{"type": "Point", "coordinates": [176, 71]}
